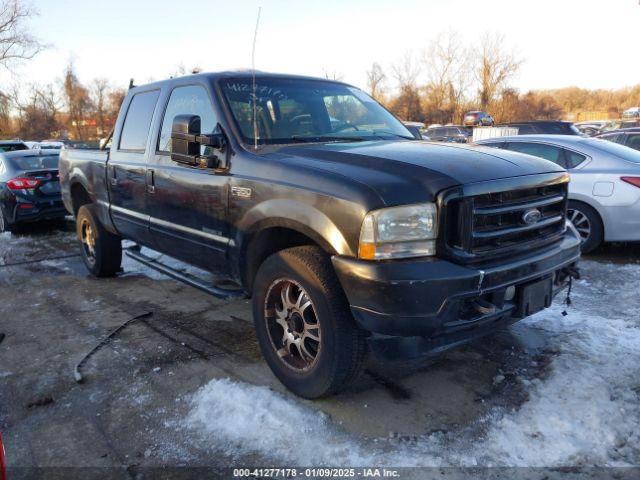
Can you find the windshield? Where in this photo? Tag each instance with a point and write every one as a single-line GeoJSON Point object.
{"type": "Point", "coordinates": [36, 162]}
{"type": "Point", "coordinates": [290, 110]}
{"type": "Point", "coordinates": [620, 151]}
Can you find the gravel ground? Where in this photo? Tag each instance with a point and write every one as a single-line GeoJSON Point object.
{"type": "Point", "coordinates": [186, 386]}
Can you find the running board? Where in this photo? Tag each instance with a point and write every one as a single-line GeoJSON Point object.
{"type": "Point", "coordinates": [135, 254]}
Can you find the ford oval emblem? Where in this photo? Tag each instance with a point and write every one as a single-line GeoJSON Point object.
{"type": "Point", "coordinates": [531, 216]}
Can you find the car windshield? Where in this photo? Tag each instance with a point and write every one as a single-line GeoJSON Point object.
{"type": "Point", "coordinates": [35, 162]}
{"type": "Point", "coordinates": [289, 110]}
{"type": "Point", "coordinates": [12, 147]}
{"type": "Point", "coordinates": [620, 151]}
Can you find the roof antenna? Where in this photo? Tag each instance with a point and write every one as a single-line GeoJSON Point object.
{"type": "Point", "coordinates": [253, 70]}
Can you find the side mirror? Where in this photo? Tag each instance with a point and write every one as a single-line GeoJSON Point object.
{"type": "Point", "coordinates": [184, 147]}
{"type": "Point", "coordinates": [415, 131]}
{"type": "Point", "coordinates": [186, 141]}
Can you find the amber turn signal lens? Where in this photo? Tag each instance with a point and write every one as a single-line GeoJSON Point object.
{"type": "Point", "coordinates": [367, 251]}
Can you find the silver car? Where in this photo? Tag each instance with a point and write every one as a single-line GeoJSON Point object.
{"type": "Point", "coordinates": [604, 193]}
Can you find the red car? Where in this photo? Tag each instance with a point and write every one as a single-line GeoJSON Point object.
{"type": "Point", "coordinates": [3, 464]}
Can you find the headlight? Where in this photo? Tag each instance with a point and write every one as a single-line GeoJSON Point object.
{"type": "Point", "coordinates": [399, 232]}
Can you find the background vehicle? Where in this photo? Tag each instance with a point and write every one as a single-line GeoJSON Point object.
{"type": "Point", "coordinates": [629, 137]}
{"type": "Point", "coordinates": [331, 226]}
{"type": "Point", "coordinates": [29, 188]}
{"type": "Point", "coordinates": [588, 130]}
{"type": "Point", "coordinates": [51, 145]}
{"type": "Point", "coordinates": [477, 118]}
{"type": "Point", "coordinates": [12, 145]}
{"type": "Point", "coordinates": [604, 193]}
{"type": "Point", "coordinates": [550, 127]}
{"type": "Point", "coordinates": [633, 112]}
{"type": "Point", "coordinates": [448, 134]}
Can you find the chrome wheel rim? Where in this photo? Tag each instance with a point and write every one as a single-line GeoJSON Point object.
{"type": "Point", "coordinates": [581, 223]}
{"type": "Point", "coordinates": [88, 240]}
{"type": "Point", "coordinates": [292, 324]}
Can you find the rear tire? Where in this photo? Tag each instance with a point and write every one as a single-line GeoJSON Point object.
{"type": "Point", "coordinates": [304, 325]}
{"type": "Point", "coordinates": [588, 223]}
{"type": "Point", "coordinates": [101, 250]}
{"type": "Point", "coordinates": [5, 226]}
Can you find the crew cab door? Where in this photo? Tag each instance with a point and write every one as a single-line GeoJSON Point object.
{"type": "Point", "coordinates": [126, 168]}
{"type": "Point", "coordinates": [188, 205]}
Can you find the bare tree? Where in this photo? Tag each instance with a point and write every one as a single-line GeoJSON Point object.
{"type": "Point", "coordinates": [406, 71]}
{"type": "Point", "coordinates": [38, 112]}
{"type": "Point", "coordinates": [333, 75]}
{"type": "Point", "coordinates": [446, 61]}
{"type": "Point", "coordinates": [16, 43]}
{"type": "Point", "coordinates": [99, 92]}
{"type": "Point", "coordinates": [78, 102]}
{"type": "Point", "coordinates": [376, 79]}
{"type": "Point", "coordinates": [494, 67]}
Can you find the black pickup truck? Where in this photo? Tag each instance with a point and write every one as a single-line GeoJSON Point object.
{"type": "Point", "coordinates": [349, 234]}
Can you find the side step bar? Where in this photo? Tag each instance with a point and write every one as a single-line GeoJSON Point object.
{"type": "Point", "coordinates": [224, 293]}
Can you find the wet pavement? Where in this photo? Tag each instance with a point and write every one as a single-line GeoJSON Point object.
{"type": "Point", "coordinates": [186, 384]}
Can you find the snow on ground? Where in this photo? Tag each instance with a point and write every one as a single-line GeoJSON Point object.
{"type": "Point", "coordinates": [585, 411]}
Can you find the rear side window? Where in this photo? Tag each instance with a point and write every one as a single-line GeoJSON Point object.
{"type": "Point", "coordinates": [137, 123]}
{"type": "Point", "coordinates": [548, 152]}
{"type": "Point", "coordinates": [633, 141]}
{"type": "Point", "coordinates": [573, 158]}
{"type": "Point", "coordinates": [189, 100]}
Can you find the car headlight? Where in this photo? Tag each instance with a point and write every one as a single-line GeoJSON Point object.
{"type": "Point", "coordinates": [399, 232]}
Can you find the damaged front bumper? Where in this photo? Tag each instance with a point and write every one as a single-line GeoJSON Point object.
{"type": "Point", "coordinates": [424, 305]}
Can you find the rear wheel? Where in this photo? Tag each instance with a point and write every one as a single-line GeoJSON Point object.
{"type": "Point", "coordinates": [304, 325]}
{"type": "Point", "coordinates": [588, 224]}
{"type": "Point", "coordinates": [101, 250]}
{"type": "Point", "coordinates": [5, 226]}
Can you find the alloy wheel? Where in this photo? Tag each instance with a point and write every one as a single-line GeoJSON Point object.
{"type": "Point", "coordinates": [292, 324]}
{"type": "Point", "coordinates": [88, 240]}
{"type": "Point", "coordinates": [581, 223]}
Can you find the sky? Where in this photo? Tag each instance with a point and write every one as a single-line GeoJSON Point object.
{"type": "Point", "coordinates": [562, 42]}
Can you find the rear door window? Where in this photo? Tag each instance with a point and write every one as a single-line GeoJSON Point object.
{"type": "Point", "coordinates": [633, 141]}
{"type": "Point", "coordinates": [137, 123]}
{"type": "Point", "coordinates": [573, 159]}
{"type": "Point", "coordinates": [548, 152]}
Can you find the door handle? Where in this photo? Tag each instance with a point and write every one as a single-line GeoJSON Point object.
{"type": "Point", "coordinates": [114, 182]}
{"type": "Point", "coordinates": [151, 181]}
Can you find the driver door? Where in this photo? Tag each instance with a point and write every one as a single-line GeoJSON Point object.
{"type": "Point", "coordinates": [188, 205]}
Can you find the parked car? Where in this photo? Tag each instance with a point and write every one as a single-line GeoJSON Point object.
{"type": "Point", "coordinates": [588, 130]}
{"type": "Point", "coordinates": [477, 118]}
{"type": "Point", "coordinates": [620, 124]}
{"type": "Point", "coordinates": [604, 193]}
{"type": "Point", "coordinates": [448, 134]}
{"type": "Point", "coordinates": [51, 145]}
{"type": "Point", "coordinates": [349, 236]}
{"type": "Point", "coordinates": [629, 137]}
{"type": "Point", "coordinates": [12, 145]}
{"type": "Point", "coordinates": [29, 188]}
{"type": "Point", "coordinates": [551, 127]}
{"type": "Point", "coordinates": [633, 112]}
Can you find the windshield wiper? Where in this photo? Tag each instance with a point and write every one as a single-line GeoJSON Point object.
{"type": "Point", "coordinates": [397, 135]}
{"type": "Point", "coordinates": [325, 138]}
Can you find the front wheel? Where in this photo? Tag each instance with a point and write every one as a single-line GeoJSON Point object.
{"type": "Point", "coordinates": [101, 250]}
{"type": "Point", "coordinates": [304, 325]}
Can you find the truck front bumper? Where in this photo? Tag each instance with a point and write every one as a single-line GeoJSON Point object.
{"type": "Point", "coordinates": [430, 298]}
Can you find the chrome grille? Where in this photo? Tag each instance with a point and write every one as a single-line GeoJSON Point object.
{"type": "Point", "coordinates": [491, 224]}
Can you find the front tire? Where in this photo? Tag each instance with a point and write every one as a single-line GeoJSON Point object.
{"type": "Point", "coordinates": [588, 224]}
{"type": "Point", "coordinates": [304, 325]}
{"type": "Point", "coordinates": [101, 250]}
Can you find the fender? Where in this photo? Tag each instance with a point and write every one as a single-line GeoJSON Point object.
{"type": "Point", "coordinates": [295, 215]}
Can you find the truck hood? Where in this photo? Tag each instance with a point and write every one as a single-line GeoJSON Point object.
{"type": "Point", "coordinates": [404, 172]}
